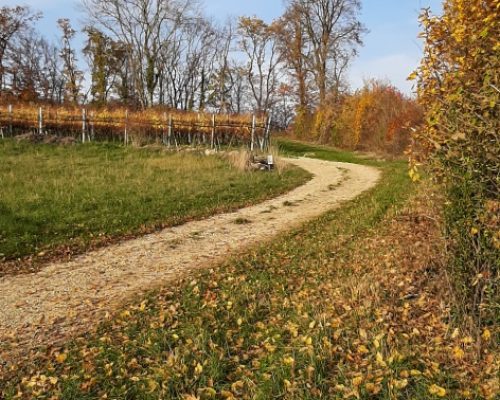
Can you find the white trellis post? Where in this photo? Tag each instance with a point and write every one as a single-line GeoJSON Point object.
{"type": "Point", "coordinates": [126, 128]}
{"type": "Point", "coordinates": [92, 127]}
{"type": "Point", "coordinates": [84, 124]}
{"type": "Point", "coordinates": [165, 129]}
{"type": "Point", "coordinates": [170, 129]}
{"type": "Point", "coordinates": [40, 121]}
{"type": "Point", "coordinates": [252, 143]}
{"type": "Point", "coordinates": [1, 130]}
{"type": "Point", "coordinates": [10, 119]}
{"type": "Point", "coordinates": [268, 132]}
{"type": "Point", "coordinates": [212, 143]}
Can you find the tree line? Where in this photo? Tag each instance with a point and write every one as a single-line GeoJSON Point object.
{"type": "Point", "coordinates": [147, 53]}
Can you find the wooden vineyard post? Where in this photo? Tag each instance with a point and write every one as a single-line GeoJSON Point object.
{"type": "Point", "coordinates": [212, 142]}
{"type": "Point", "coordinates": [126, 128]}
{"type": "Point", "coordinates": [10, 120]}
{"type": "Point", "coordinates": [40, 121]}
{"type": "Point", "coordinates": [84, 124]}
{"type": "Point", "coordinates": [252, 143]}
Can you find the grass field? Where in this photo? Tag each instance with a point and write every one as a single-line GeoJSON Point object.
{"type": "Point", "coordinates": [350, 305]}
{"type": "Point", "coordinates": [52, 196]}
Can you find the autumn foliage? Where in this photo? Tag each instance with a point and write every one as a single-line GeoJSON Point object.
{"type": "Point", "coordinates": [459, 87]}
{"type": "Point", "coordinates": [377, 117]}
{"type": "Point", "coordinates": [110, 123]}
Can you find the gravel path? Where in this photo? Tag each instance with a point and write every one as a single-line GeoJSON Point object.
{"type": "Point", "coordinates": [67, 298]}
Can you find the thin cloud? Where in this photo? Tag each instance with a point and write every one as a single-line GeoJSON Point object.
{"type": "Point", "coordinates": [394, 68]}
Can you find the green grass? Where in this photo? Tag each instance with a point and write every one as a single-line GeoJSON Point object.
{"type": "Point", "coordinates": [55, 196]}
{"type": "Point", "coordinates": [260, 326]}
{"type": "Point", "coordinates": [299, 149]}
{"type": "Point", "coordinates": [320, 313]}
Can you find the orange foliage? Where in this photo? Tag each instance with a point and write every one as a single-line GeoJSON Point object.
{"type": "Point", "coordinates": [377, 117]}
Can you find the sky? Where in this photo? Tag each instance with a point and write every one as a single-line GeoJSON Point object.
{"type": "Point", "coordinates": [391, 48]}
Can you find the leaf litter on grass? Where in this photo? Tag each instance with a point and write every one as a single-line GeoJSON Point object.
{"type": "Point", "coordinates": [317, 315]}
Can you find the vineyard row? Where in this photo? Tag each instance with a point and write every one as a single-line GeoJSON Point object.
{"type": "Point", "coordinates": [172, 128]}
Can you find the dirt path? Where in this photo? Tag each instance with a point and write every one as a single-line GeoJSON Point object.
{"type": "Point", "coordinates": [66, 298]}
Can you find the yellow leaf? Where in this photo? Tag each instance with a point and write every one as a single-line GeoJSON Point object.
{"type": "Point", "coordinates": [380, 360]}
{"type": "Point", "coordinates": [458, 353]}
{"type": "Point", "coordinates": [209, 392]}
{"type": "Point", "coordinates": [189, 397]}
{"type": "Point", "coordinates": [437, 390]}
{"type": "Point", "coordinates": [412, 76]}
{"type": "Point", "coordinates": [336, 323]}
{"type": "Point", "coordinates": [61, 357]}
{"type": "Point", "coordinates": [198, 369]}
{"type": "Point", "coordinates": [152, 385]}
{"type": "Point", "coordinates": [53, 380]}
{"type": "Point", "coordinates": [401, 384]}
{"type": "Point", "coordinates": [486, 335]}
{"type": "Point", "coordinates": [288, 360]}
{"type": "Point", "coordinates": [467, 340]}
{"type": "Point", "coordinates": [372, 388]}
{"type": "Point", "coordinates": [357, 381]}
{"type": "Point", "coordinates": [237, 386]}
{"type": "Point", "coordinates": [226, 394]}
{"type": "Point", "coordinates": [363, 350]}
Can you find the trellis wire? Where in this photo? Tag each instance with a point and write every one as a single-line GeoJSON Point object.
{"type": "Point", "coordinates": [194, 129]}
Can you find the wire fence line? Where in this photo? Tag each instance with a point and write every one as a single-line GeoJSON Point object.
{"type": "Point", "coordinates": [171, 128]}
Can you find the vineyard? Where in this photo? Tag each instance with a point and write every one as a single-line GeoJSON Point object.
{"type": "Point", "coordinates": [170, 127]}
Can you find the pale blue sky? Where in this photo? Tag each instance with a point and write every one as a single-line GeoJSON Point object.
{"type": "Point", "coordinates": [391, 51]}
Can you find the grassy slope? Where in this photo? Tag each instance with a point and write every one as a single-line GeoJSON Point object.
{"type": "Point", "coordinates": [53, 195]}
{"type": "Point", "coordinates": [323, 312]}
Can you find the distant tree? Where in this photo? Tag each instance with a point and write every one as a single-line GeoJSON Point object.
{"type": "Point", "coordinates": [222, 82]}
{"type": "Point", "coordinates": [13, 20]}
{"type": "Point", "coordinates": [106, 59]}
{"type": "Point", "coordinates": [257, 41]}
{"type": "Point", "coordinates": [333, 33]}
{"type": "Point", "coordinates": [72, 74]}
{"type": "Point", "coordinates": [145, 27]}
{"type": "Point", "coordinates": [295, 50]}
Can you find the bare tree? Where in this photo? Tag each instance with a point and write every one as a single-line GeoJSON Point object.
{"type": "Point", "coordinates": [106, 58]}
{"type": "Point", "coordinates": [145, 27]}
{"type": "Point", "coordinates": [295, 50]}
{"type": "Point", "coordinates": [333, 32]}
{"type": "Point", "coordinates": [68, 55]}
{"type": "Point", "coordinates": [185, 63]}
{"type": "Point", "coordinates": [221, 81]}
{"type": "Point", "coordinates": [257, 41]}
{"type": "Point", "coordinates": [13, 20]}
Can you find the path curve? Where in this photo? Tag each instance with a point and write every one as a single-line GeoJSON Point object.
{"type": "Point", "coordinates": [65, 298]}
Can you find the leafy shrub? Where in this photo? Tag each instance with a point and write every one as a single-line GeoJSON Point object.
{"type": "Point", "coordinates": [377, 117]}
{"type": "Point", "coordinates": [459, 87]}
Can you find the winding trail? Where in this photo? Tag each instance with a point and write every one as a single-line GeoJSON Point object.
{"type": "Point", "coordinates": [67, 298]}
